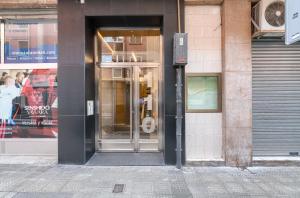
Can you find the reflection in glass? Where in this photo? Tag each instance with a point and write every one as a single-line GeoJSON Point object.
{"type": "Point", "coordinates": [148, 84]}
{"type": "Point", "coordinates": [130, 45]}
{"type": "Point", "coordinates": [202, 92]}
{"type": "Point", "coordinates": [129, 89]}
{"type": "Point", "coordinates": [115, 103]}
{"type": "Point", "coordinates": [30, 41]}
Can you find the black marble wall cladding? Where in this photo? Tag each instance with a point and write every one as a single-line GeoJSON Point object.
{"type": "Point", "coordinates": [89, 88]}
{"type": "Point", "coordinates": [77, 24]}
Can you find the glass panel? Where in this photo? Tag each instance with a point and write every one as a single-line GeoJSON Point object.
{"type": "Point", "coordinates": [28, 104]}
{"type": "Point", "coordinates": [202, 92]}
{"type": "Point", "coordinates": [129, 45]}
{"type": "Point", "coordinates": [148, 103]}
{"type": "Point", "coordinates": [30, 41]}
{"type": "Point", "coordinates": [116, 102]}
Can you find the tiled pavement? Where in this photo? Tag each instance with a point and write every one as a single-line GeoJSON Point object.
{"type": "Point", "coordinates": [160, 182]}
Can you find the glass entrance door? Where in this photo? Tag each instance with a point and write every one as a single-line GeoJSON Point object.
{"type": "Point", "coordinates": [128, 63]}
{"type": "Point", "coordinates": [116, 108]}
{"type": "Point", "coordinates": [129, 108]}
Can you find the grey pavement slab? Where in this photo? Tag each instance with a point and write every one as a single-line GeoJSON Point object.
{"type": "Point", "coordinates": [27, 180]}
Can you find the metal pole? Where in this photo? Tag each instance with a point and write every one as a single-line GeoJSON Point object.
{"type": "Point", "coordinates": [178, 16]}
{"type": "Point", "coordinates": [178, 102]}
{"type": "Point", "coordinates": [178, 116]}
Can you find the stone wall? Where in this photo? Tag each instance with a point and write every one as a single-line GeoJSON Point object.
{"type": "Point", "coordinates": [237, 82]}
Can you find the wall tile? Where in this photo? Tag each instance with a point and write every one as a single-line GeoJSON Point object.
{"type": "Point", "coordinates": [203, 130]}
{"type": "Point", "coordinates": [203, 136]}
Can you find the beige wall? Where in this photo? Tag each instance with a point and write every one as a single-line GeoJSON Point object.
{"type": "Point", "coordinates": [27, 3]}
{"type": "Point", "coordinates": [225, 49]}
{"type": "Point", "coordinates": [237, 82]}
{"type": "Point", "coordinates": [28, 146]}
{"type": "Point", "coordinates": [203, 130]}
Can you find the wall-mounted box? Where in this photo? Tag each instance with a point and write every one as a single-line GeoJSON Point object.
{"type": "Point", "coordinates": [180, 49]}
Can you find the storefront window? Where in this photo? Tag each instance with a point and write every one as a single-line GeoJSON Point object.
{"type": "Point", "coordinates": [203, 93]}
{"type": "Point", "coordinates": [30, 41]}
{"type": "Point", "coordinates": [28, 103]}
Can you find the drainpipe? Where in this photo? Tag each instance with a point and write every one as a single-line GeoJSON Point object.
{"type": "Point", "coordinates": [178, 102]}
{"type": "Point", "coordinates": [178, 116]}
{"type": "Point", "coordinates": [178, 16]}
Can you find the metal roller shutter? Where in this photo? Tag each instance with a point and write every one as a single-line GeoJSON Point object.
{"type": "Point", "coordinates": [276, 98]}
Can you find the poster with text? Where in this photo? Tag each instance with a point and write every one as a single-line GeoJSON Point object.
{"type": "Point", "coordinates": [28, 103]}
{"type": "Point", "coordinates": [30, 42]}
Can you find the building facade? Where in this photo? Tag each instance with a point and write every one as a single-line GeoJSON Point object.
{"type": "Point", "coordinates": [97, 77]}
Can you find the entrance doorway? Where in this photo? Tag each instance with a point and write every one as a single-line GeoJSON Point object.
{"type": "Point", "coordinates": [128, 90]}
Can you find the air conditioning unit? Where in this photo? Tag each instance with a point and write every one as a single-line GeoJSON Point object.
{"type": "Point", "coordinates": [268, 18]}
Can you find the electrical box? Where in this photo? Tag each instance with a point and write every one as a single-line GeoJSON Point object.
{"type": "Point", "coordinates": [180, 49]}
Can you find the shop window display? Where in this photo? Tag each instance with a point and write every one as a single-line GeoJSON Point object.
{"type": "Point", "coordinates": [28, 97]}
{"type": "Point", "coordinates": [28, 104]}
{"type": "Point", "coordinates": [30, 41]}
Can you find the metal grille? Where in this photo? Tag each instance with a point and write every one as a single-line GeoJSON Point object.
{"type": "Point", "coordinates": [118, 188]}
{"type": "Point", "coordinates": [276, 98]}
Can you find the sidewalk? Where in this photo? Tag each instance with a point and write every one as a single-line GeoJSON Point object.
{"type": "Point", "coordinates": [28, 160]}
{"type": "Point", "coordinates": [51, 180]}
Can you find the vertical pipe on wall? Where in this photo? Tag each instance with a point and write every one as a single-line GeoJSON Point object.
{"type": "Point", "coordinates": [178, 16]}
{"type": "Point", "coordinates": [178, 102]}
{"type": "Point", "coordinates": [178, 116]}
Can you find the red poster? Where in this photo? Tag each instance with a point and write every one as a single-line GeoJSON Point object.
{"type": "Point", "coordinates": [28, 104]}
